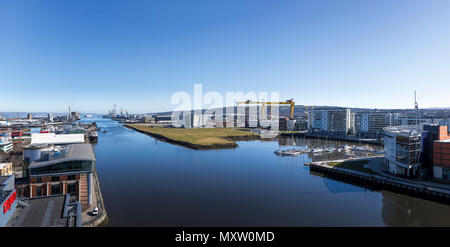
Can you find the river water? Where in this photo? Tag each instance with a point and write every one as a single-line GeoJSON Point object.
{"type": "Point", "coordinates": [147, 182]}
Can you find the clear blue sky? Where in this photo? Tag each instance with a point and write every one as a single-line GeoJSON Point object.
{"type": "Point", "coordinates": [136, 54]}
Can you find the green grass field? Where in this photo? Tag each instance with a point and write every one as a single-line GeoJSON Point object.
{"type": "Point", "coordinates": [357, 165]}
{"type": "Point", "coordinates": [203, 137]}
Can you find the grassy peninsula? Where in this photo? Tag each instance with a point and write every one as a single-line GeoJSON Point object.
{"type": "Point", "coordinates": [202, 138]}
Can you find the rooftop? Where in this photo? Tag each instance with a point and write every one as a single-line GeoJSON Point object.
{"type": "Point", "coordinates": [69, 153]}
{"type": "Point", "coordinates": [45, 212]}
{"type": "Point", "coordinates": [52, 138]}
{"type": "Point", "coordinates": [3, 179]}
{"type": "Point", "coordinates": [406, 130]}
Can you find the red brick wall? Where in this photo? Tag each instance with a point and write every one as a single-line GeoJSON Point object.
{"type": "Point", "coordinates": [441, 154]}
{"type": "Point", "coordinates": [83, 192]}
{"type": "Point", "coordinates": [443, 133]}
{"type": "Point", "coordinates": [44, 189]}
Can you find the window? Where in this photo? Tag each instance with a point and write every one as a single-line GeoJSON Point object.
{"type": "Point", "coordinates": [69, 166]}
{"type": "Point", "coordinates": [445, 174]}
{"type": "Point", "coordinates": [38, 180]}
{"type": "Point", "coordinates": [55, 179]}
{"type": "Point", "coordinates": [55, 189]}
{"type": "Point", "coordinates": [39, 191]}
{"type": "Point", "coordinates": [71, 177]}
{"type": "Point", "coordinates": [71, 189]}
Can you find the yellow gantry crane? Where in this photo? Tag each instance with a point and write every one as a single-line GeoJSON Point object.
{"type": "Point", "coordinates": [264, 105]}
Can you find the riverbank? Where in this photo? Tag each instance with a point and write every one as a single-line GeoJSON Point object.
{"type": "Point", "coordinates": [360, 172]}
{"type": "Point", "coordinates": [204, 138]}
{"type": "Point", "coordinates": [89, 220]}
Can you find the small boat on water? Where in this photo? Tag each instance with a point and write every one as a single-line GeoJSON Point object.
{"type": "Point", "coordinates": [317, 150]}
{"type": "Point", "coordinates": [289, 152]}
{"type": "Point", "coordinates": [363, 148]}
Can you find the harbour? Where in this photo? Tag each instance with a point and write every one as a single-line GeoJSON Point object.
{"type": "Point", "coordinates": [247, 186]}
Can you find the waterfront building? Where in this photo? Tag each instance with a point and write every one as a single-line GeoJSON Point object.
{"type": "Point", "coordinates": [402, 147]}
{"type": "Point", "coordinates": [32, 153]}
{"type": "Point", "coordinates": [52, 138]}
{"type": "Point", "coordinates": [441, 154]}
{"type": "Point", "coordinates": [336, 121]}
{"type": "Point", "coordinates": [163, 119]}
{"type": "Point", "coordinates": [6, 169]}
{"type": "Point", "coordinates": [290, 124]}
{"type": "Point", "coordinates": [430, 134]}
{"type": "Point", "coordinates": [61, 170]}
{"type": "Point", "coordinates": [371, 124]}
{"type": "Point", "coordinates": [414, 121]}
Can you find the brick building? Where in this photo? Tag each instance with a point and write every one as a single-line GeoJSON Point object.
{"type": "Point", "coordinates": [66, 170]}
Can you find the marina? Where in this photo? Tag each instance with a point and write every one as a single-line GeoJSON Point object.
{"type": "Point", "coordinates": [241, 187]}
{"type": "Point", "coordinates": [348, 150]}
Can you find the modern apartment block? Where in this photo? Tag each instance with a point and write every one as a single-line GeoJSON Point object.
{"type": "Point", "coordinates": [333, 120]}
{"type": "Point", "coordinates": [371, 124]}
{"type": "Point", "coordinates": [402, 147]}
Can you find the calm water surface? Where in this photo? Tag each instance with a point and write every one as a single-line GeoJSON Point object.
{"type": "Point", "coordinates": [146, 182]}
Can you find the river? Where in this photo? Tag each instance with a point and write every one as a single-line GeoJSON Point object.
{"type": "Point", "coordinates": [147, 182]}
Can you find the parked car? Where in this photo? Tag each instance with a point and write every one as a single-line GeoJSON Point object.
{"type": "Point", "coordinates": [95, 211]}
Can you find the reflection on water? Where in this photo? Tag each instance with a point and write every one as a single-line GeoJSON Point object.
{"type": "Point", "coordinates": [146, 182]}
{"type": "Point", "coordinates": [401, 210]}
{"type": "Point", "coordinates": [338, 187]}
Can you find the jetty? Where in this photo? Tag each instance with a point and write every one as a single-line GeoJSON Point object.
{"type": "Point", "coordinates": [425, 190]}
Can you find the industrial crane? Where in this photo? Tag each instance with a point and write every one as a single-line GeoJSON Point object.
{"type": "Point", "coordinates": [264, 105]}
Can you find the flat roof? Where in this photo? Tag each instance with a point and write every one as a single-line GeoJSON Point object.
{"type": "Point", "coordinates": [3, 179]}
{"type": "Point", "coordinates": [447, 140]}
{"type": "Point", "coordinates": [40, 212]}
{"type": "Point", "coordinates": [405, 130]}
{"type": "Point", "coordinates": [52, 138]}
{"type": "Point", "coordinates": [71, 153]}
